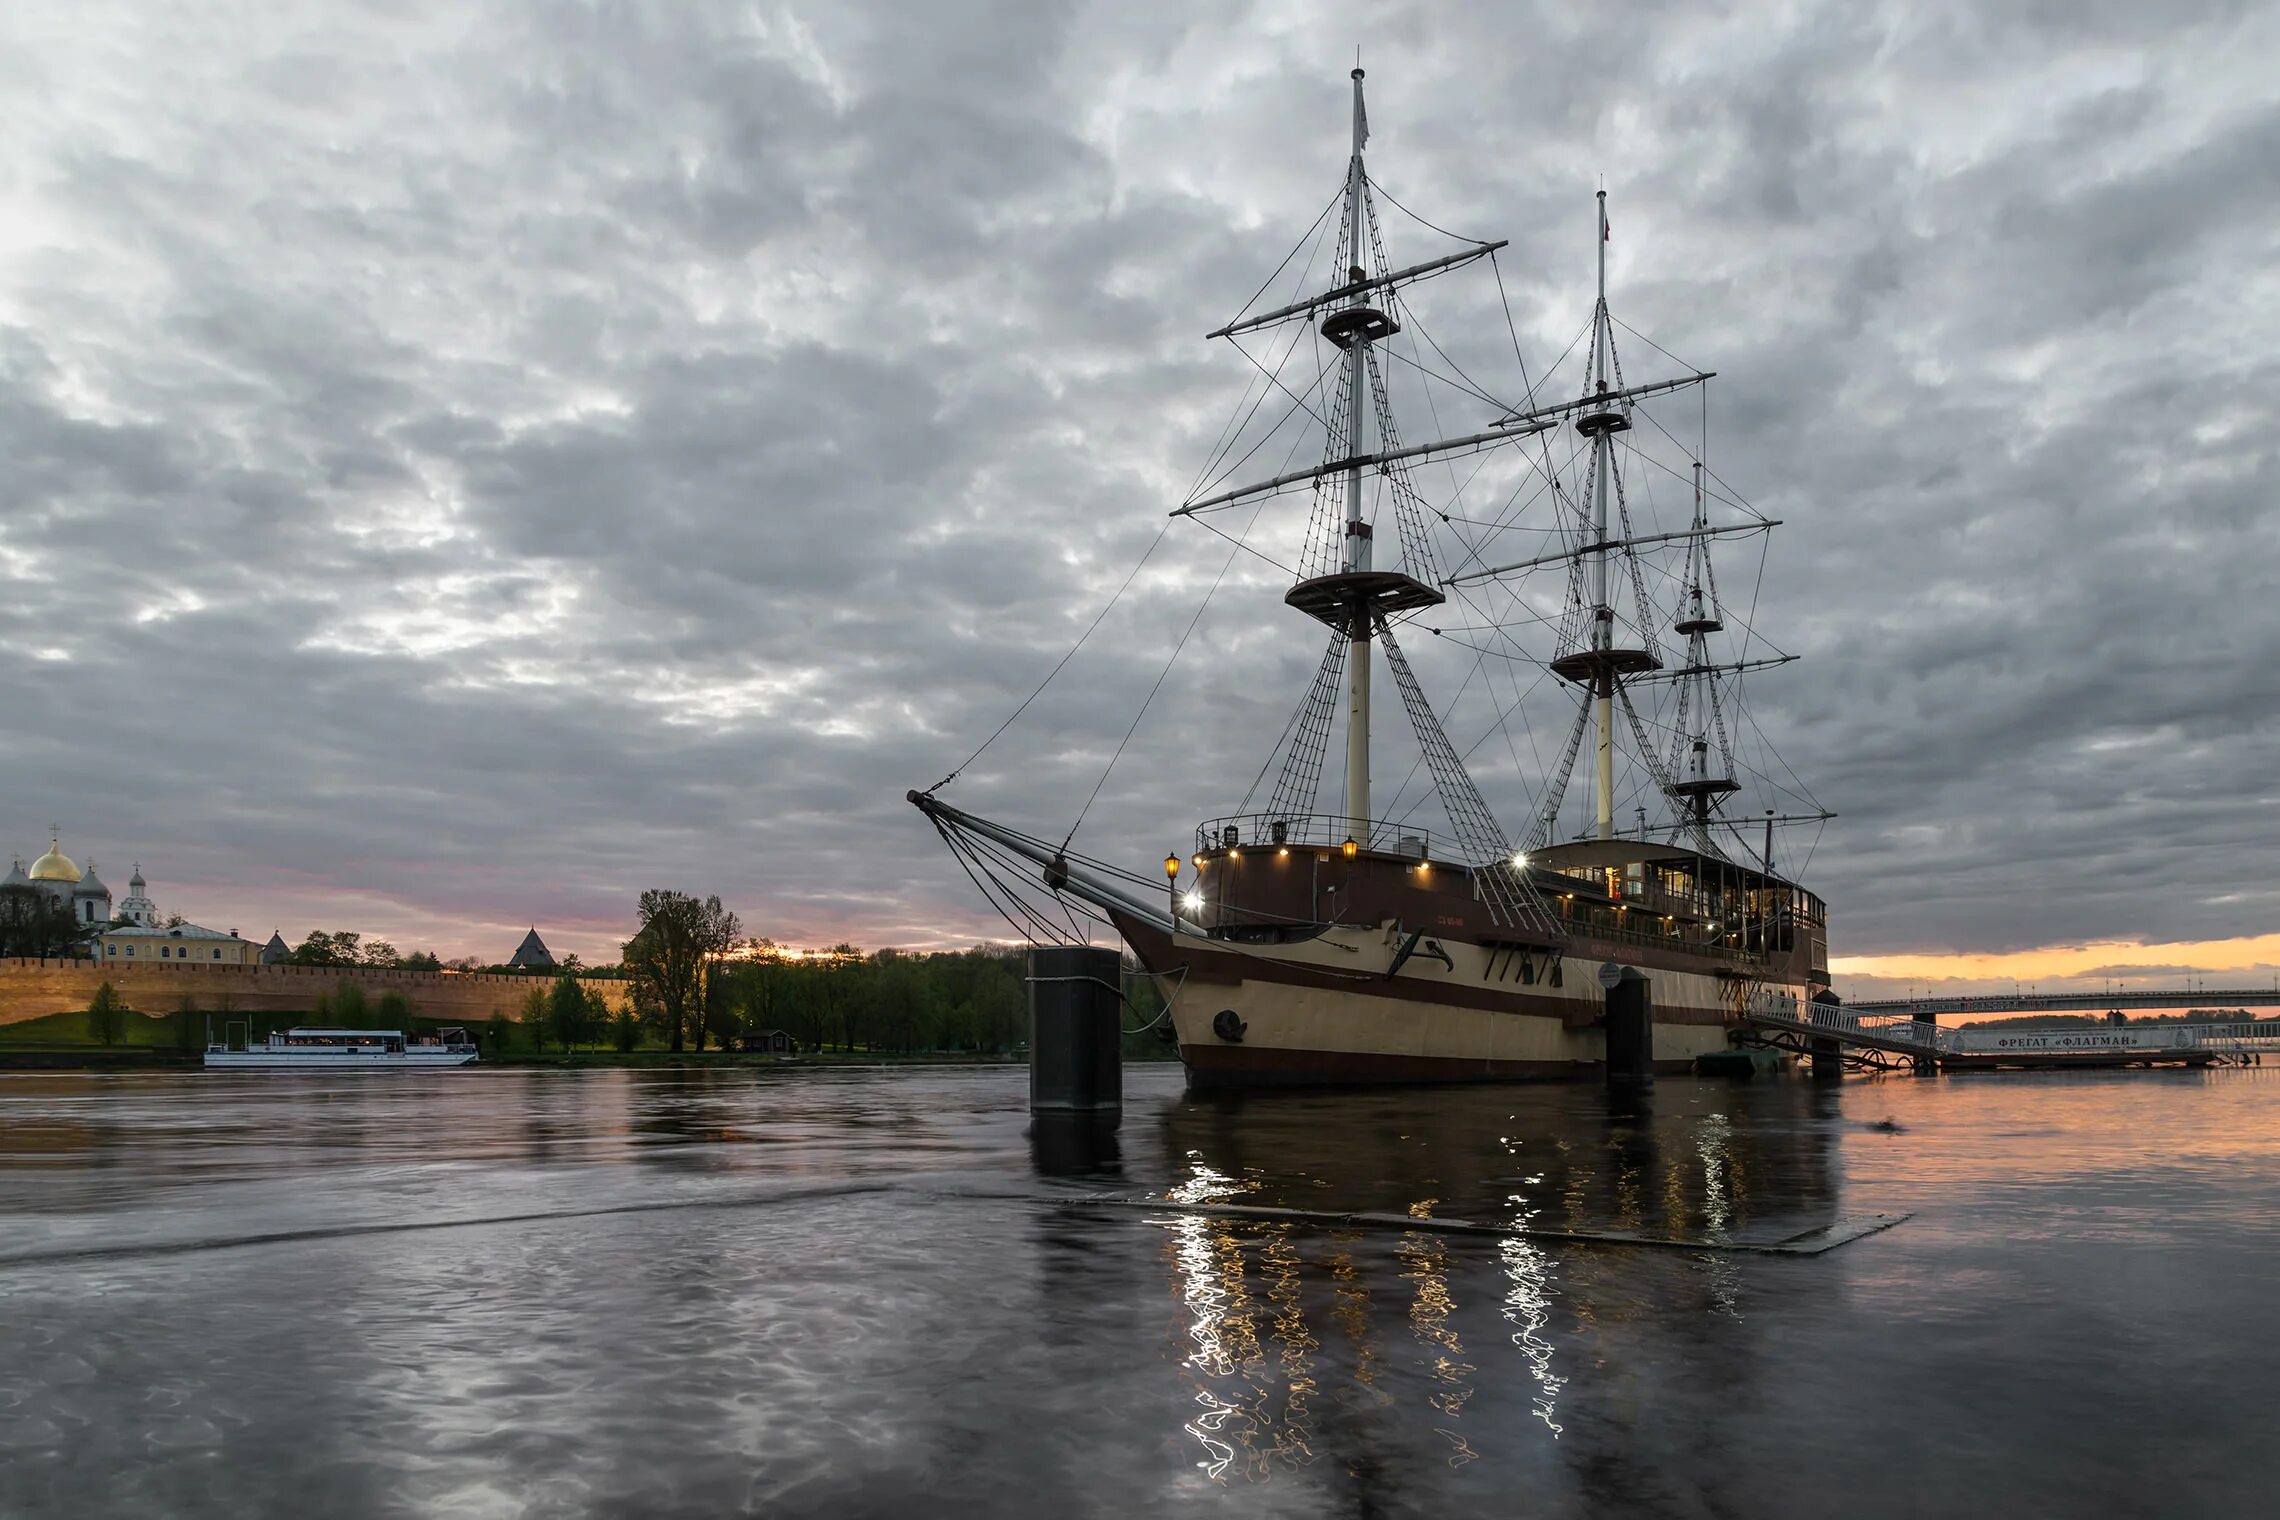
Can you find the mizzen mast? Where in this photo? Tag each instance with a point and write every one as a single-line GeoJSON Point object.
{"type": "Point", "coordinates": [1701, 775]}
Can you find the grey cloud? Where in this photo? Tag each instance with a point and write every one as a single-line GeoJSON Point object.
{"type": "Point", "coordinates": [598, 449]}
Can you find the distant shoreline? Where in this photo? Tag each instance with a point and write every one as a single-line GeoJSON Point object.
{"type": "Point", "coordinates": [148, 1058]}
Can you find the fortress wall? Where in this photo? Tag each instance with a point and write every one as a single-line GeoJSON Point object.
{"type": "Point", "coordinates": [32, 988]}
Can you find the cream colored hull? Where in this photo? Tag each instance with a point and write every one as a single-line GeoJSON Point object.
{"type": "Point", "coordinates": [1325, 1010]}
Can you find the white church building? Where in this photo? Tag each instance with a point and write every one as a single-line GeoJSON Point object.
{"type": "Point", "coordinates": [132, 930]}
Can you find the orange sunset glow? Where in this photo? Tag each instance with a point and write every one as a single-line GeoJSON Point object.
{"type": "Point", "coordinates": [2252, 961]}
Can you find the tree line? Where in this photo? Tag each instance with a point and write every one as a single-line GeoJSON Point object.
{"type": "Point", "coordinates": [348, 948]}
{"type": "Point", "coordinates": [697, 980]}
{"type": "Point", "coordinates": [35, 923]}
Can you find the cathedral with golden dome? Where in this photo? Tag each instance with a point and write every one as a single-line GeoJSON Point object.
{"type": "Point", "coordinates": [61, 878]}
{"type": "Point", "coordinates": [131, 929]}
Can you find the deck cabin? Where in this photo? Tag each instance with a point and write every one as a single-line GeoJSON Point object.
{"type": "Point", "coordinates": [1280, 879]}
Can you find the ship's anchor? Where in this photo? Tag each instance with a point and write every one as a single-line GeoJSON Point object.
{"type": "Point", "coordinates": [1409, 948]}
{"type": "Point", "coordinates": [1228, 1026]}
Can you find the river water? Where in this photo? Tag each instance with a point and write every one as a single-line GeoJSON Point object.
{"type": "Point", "coordinates": [851, 1293]}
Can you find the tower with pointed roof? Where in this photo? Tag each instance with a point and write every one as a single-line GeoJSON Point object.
{"type": "Point", "coordinates": [532, 954]}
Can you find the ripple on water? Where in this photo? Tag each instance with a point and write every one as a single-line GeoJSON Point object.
{"type": "Point", "coordinates": [715, 1293]}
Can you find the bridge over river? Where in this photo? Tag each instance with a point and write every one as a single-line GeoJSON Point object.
{"type": "Point", "coordinates": [1907, 1031]}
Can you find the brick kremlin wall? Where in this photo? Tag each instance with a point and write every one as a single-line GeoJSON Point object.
{"type": "Point", "coordinates": [32, 988]}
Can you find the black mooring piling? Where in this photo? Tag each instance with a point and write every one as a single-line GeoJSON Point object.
{"type": "Point", "coordinates": [1928, 1026]}
{"type": "Point", "coordinates": [1630, 1027]}
{"type": "Point", "coordinates": [1076, 1006]}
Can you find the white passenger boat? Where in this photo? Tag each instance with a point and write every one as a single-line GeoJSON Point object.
{"type": "Point", "coordinates": [346, 1050]}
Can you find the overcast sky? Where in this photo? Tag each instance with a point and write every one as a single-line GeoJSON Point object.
{"type": "Point", "coordinates": [462, 465]}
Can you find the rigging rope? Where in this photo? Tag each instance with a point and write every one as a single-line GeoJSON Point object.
{"type": "Point", "coordinates": [1160, 675]}
{"type": "Point", "coordinates": [1064, 660]}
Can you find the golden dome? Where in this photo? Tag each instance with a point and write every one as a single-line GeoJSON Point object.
{"type": "Point", "coordinates": [54, 866]}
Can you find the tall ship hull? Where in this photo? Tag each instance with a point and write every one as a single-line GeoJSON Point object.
{"type": "Point", "coordinates": [1261, 989]}
{"type": "Point", "coordinates": [1302, 1016]}
{"type": "Point", "coordinates": [1307, 939]}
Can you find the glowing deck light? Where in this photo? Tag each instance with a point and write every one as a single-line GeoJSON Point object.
{"type": "Point", "coordinates": [1172, 867]}
{"type": "Point", "coordinates": [1349, 849]}
{"type": "Point", "coordinates": [1520, 861]}
{"type": "Point", "coordinates": [1193, 902]}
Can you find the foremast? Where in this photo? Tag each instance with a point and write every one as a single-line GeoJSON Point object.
{"type": "Point", "coordinates": [1357, 588]}
{"type": "Point", "coordinates": [1356, 556]}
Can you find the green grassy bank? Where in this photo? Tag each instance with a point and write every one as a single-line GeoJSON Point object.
{"type": "Point", "coordinates": [63, 1040]}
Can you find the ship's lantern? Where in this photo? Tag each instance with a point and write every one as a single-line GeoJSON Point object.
{"type": "Point", "coordinates": [1172, 867]}
{"type": "Point", "coordinates": [1349, 849]}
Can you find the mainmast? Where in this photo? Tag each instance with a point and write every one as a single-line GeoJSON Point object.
{"type": "Point", "coordinates": [1602, 665]}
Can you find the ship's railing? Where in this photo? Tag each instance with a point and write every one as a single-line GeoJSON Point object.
{"type": "Point", "coordinates": [1734, 955]}
{"type": "Point", "coordinates": [1770, 1005]}
{"type": "Point", "coordinates": [1325, 831]}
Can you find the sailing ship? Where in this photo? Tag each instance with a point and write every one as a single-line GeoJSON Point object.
{"type": "Point", "coordinates": [1295, 944]}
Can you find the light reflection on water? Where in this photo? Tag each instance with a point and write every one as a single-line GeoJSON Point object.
{"type": "Point", "coordinates": [844, 1293]}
